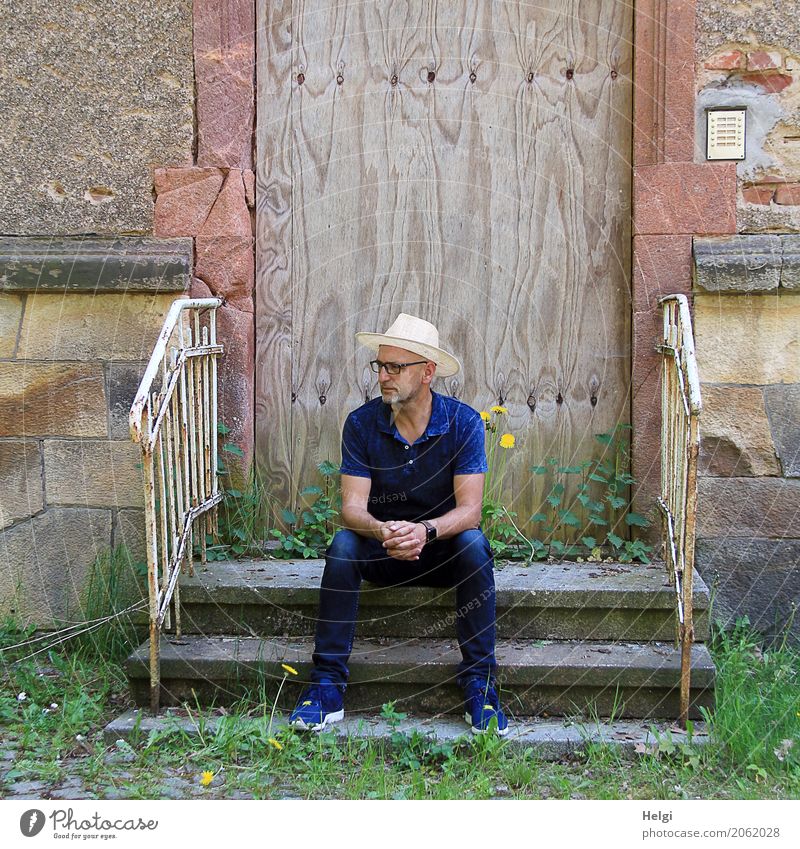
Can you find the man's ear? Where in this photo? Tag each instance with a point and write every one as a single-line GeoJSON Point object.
{"type": "Point", "coordinates": [429, 372]}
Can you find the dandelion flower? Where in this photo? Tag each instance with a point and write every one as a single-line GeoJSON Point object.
{"type": "Point", "coordinates": [290, 669]}
{"type": "Point", "coordinates": [207, 778]}
{"type": "Point", "coordinates": [22, 696]}
{"type": "Point", "coordinates": [501, 410]}
{"type": "Point", "coordinates": [485, 416]}
{"type": "Point", "coordinates": [507, 440]}
{"type": "Point", "coordinates": [275, 744]}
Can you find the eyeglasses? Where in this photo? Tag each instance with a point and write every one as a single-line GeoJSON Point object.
{"type": "Point", "coordinates": [392, 368]}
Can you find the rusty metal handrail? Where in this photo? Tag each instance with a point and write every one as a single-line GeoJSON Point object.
{"type": "Point", "coordinates": [177, 429]}
{"type": "Point", "coordinates": [680, 442]}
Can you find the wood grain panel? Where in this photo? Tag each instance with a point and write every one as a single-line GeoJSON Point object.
{"type": "Point", "coordinates": [467, 162]}
{"type": "Point", "coordinates": [273, 368]}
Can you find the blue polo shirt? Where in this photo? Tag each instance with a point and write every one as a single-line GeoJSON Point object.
{"type": "Point", "coordinates": [413, 482]}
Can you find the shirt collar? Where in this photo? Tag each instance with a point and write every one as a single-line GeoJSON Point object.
{"type": "Point", "coordinates": [438, 424]}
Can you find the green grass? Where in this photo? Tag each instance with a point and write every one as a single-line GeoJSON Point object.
{"type": "Point", "coordinates": [758, 710]}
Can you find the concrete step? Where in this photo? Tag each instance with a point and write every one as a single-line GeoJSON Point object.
{"type": "Point", "coordinates": [549, 739]}
{"type": "Point", "coordinates": [620, 680]}
{"type": "Point", "coordinates": [559, 600]}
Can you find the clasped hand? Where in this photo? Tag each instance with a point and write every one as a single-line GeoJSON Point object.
{"type": "Point", "coordinates": [403, 540]}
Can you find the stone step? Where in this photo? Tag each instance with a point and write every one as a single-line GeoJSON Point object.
{"type": "Point", "coordinates": [549, 739]}
{"type": "Point", "coordinates": [559, 600]}
{"type": "Point", "coordinates": [620, 680]}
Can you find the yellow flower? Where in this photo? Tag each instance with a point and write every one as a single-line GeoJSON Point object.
{"type": "Point", "coordinates": [275, 744]}
{"type": "Point", "coordinates": [207, 778]}
{"type": "Point", "coordinates": [485, 416]}
{"type": "Point", "coordinates": [498, 409]}
{"type": "Point", "coordinates": [507, 440]}
{"type": "Point", "coordinates": [290, 669]}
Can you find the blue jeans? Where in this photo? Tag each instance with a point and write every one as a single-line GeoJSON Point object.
{"type": "Point", "coordinates": [464, 561]}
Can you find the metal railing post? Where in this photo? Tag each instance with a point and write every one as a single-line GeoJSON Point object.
{"type": "Point", "coordinates": [680, 442]}
{"type": "Point", "coordinates": [180, 475]}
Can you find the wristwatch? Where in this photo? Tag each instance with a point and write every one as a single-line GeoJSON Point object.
{"type": "Point", "coordinates": [430, 530]}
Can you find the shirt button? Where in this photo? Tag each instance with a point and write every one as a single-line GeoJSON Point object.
{"type": "Point", "coordinates": [410, 462]}
{"type": "Point", "coordinates": [407, 447]}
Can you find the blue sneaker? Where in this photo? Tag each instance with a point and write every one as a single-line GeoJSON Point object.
{"type": "Point", "coordinates": [321, 704]}
{"type": "Point", "coordinates": [482, 706]}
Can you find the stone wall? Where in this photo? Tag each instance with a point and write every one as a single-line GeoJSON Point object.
{"type": "Point", "coordinates": [119, 120]}
{"type": "Point", "coordinates": [747, 320]}
{"type": "Point", "coordinates": [79, 320]}
{"type": "Point", "coordinates": [747, 333]}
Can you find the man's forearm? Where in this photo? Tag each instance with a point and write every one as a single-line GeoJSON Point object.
{"type": "Point", "coordinates": [461, 518]}
{"type": "Point", "coordinates": [362, 522]}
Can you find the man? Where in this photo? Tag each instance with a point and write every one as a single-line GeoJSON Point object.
{"type": "Point", "coordinates": [413, 464]}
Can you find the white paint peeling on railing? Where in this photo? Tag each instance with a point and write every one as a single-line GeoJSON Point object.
{"type": "Point", "coordinates": [176, 426]}
{"type": "Point", "coordinates": [680, 443]}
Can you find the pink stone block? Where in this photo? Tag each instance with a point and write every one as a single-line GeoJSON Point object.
{"type": "Point", "coordinates": [759, 195]}
{"type": "Point", "coordinates": [685, 197]}
{"type": "Point", "coordinates": [226, 265]}
{"type": "Point", "coordinates": [662, 265]}
{"type": "Point", "coordinates": [168, 179]}
{"type": "Point", "coordinates": [229, 215]}
{"type": "Point", "coordinates": [773, 83]}
{"type": "Point", "coordinates": [224, 57]}
{"type": "Point", "coordinates": [731, 60]}
{"type": "Point", "coordinates": [788, 194]}
{"type": "Point", "coordinates": [183, 207]}
{"type": "Point", "coordinates": [761, 60]}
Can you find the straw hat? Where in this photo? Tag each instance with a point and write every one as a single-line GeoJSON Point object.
{"type": "Point", "coordinates": [417, 335]}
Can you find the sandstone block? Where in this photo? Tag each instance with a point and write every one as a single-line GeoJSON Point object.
{"type": "Point", "coordinates": [229, 216]}
{"type": "Point", "coordinates": [747, 338]}
{"type": "Point", "coordinates": [185, 200]}
{"type": "Point", "coordinates": [237, 367]}
{"type": "Point", "coordinates": [788, 194]}
{"type": "Point", "coordinates": [44, 563]}
{"type": "Point", "coordinates": [93, 473]}
{"type": "Point", "coordinates": [747, 263]}
{"type": "Point", "coordinates": [129, 530]}
{"type": "Point", "coordinates": [748, 507]}
{"type": "Point", "coordinates": [123, 381]}
{"type": "Point", "coordinates": [758, 195]}
{"type": "Point", "coordinates": [685, 197]}
{"type": "Point", "coordinates": [783, 409]}
{"type": "Point", "coordinates": [52, 399]}
{"type": "Point", "coordinates": [91, 327]}
{"type": "Point", "coordinates": [754, 577]}
{"type": "Point", "coordinates": [771, 82]}
{"type": "Point", "coordinates": [10, 317]}
{"type": "Point", "coordinates": [20, 481]}
{"type": "Point", "coordinates": [662, 266]}
{"type": "Point", "coordinates": [730, 60]}
{"type": "Point", "coordinates": [170, 179]}
{"type": "Point", "coordinates": [226, 264]}
{"type": "Point", "coordinates": [790, 265]}
{"type": "Point", "coordinates": [735, 437]}
{"type": "Point", "coordinates": [224, 59]}
{"type": "Point", "coordinates": [763, 60]}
